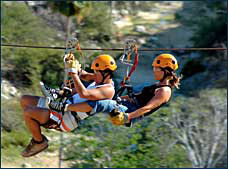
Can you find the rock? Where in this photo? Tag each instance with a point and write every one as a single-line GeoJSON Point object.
{"type": "Point", "coordinates": [141, 40]}
{"type": "Point", "coordinates": [140, 28]}
{"type": "Point", "coordinates": [124, 12]}
{"type": "Point", "coordinates": [26, 165]}
{"type": "Point", "coordinates": [115, 12]}
{"type": "Point", "coordinates": [8, 90]}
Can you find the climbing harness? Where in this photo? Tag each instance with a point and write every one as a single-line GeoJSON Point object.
{"type": "Point", "coordinates": [130, 49]}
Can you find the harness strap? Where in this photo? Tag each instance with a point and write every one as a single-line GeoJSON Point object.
{"type": "Point", "coordinates": [122, 83]}
{"type": "Point", "coordinates": [165, 73]}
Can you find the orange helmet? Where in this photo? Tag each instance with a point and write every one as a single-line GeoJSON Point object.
{"type": "Point", "coordinates": [103, 62]}
{"type": "Point", "coordinates": [165, 60]}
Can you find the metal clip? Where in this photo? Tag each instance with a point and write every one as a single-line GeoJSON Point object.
{"type": "Point", "coordinates": [129, 47]}
{"type": "Point", "coordinates": [71, 45]}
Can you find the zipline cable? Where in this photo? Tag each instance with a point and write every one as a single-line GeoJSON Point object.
{"type": "Point", "coordinates": [117, 49]}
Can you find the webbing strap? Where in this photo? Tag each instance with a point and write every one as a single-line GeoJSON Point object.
{"type": "Point", "coordinates": [134, 65]}
{"type": "Point", "coordinates": [122, 83]}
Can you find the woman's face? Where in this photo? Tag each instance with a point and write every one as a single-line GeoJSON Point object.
{"type": "Point", "coordinates": [158, 73]}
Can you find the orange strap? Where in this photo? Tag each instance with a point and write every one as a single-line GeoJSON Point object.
{"type": "Point", "coordinates": [59, 116]}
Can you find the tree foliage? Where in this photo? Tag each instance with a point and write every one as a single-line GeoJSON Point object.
{"type": "Point", "coordinates": [202, 130]}
{"type": "Point", "coordinates": [99, 144]}
{"type": "Point", "coordinates": [209, 31]}
{"type": "Point", "coordinates": [22, 66]}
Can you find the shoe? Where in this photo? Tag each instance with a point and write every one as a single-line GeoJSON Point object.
{"type": "Point", "coordinates": [58, 106]}
{"type": "Point", "coordinates": [35, 148]}
{"type": "Point", "coordinates": [49, 92]}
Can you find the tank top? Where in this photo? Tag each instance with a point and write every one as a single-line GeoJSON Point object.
{"type": "Point", "coordinates": [147, 94]}
{"type": "Point", "coordinates": [76, 97]}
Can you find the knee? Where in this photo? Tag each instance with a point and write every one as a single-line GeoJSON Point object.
{"type": "Point", "coordinates": [27, 100]}
{"type": "Point", "coordinates": [27, 111]}
{"type": "Point", "coordinates": [23, 101]}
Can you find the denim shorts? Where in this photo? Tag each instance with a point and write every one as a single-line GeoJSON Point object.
{"type": "Point", "coordinates": [106, 106]}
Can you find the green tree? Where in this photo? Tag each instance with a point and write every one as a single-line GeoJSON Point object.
{"type": "Point", "coordinates": [70, 9]}
{"type": "Point", "coordinates": [22, 65]}
{"type": "Point", "coordinates": [202, 130]}
{"type": "Point", "coordinates": [97, 143]}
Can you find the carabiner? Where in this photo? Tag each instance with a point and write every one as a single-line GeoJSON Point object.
{"type": "Point", "coordinates": [129, 47]}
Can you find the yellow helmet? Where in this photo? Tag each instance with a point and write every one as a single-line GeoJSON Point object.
{"type": "Point", "coordinates": [165, 60]}
{"type": "Point", "coordinates": [103, 62]}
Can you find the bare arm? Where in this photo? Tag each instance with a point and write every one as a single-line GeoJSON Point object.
{"type": "Point", "coordinates": [87, 76]}
{"type": "Point", "coordinates": [104, 92]}
{"type": "Point", "coordinates": [162, 95]}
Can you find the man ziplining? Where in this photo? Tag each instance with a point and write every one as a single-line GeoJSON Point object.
{"type": "Point", "coordinates": [37, 114]}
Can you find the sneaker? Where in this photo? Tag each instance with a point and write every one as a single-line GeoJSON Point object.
{"type": "Point", "coordinates": [35, 148]}
{"type": "Point", "coordinates": [49, 92]}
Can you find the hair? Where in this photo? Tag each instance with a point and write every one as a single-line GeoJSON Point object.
{"type": "Point", "coordinates": [174, 80]}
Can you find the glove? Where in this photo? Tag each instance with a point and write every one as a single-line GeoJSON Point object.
{"type": "Point", "coordinates": [120, 118]}
{"type": "Point", "coordinates": [71, 64]}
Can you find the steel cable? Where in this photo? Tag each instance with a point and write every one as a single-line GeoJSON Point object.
{"type": "Point", "coordinates": [118, 49]}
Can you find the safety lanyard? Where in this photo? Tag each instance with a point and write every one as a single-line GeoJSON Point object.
{"type": "Point", "coordinates": [129, 49]}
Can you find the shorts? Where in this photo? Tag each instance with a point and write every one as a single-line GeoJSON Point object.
{"type": "Point", "coordinates": [58, 121]}
{"type": "Point", "coordinates": [107, 106]}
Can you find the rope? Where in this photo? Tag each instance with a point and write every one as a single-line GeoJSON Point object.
{"type": "Point", "coordinates": [119, 49]}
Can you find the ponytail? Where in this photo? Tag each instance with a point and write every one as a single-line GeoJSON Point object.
{"type": "Point", "coordinates": [175, 81]}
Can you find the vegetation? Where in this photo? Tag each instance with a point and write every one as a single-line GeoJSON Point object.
{"type": "Point", "coordinates": [206, 34]}
{"type": "Point", "coordinates": [23, 66]}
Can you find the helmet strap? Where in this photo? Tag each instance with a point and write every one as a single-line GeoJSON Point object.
{"type": "Point", "coordinates": [104, 75]}
{"type": "Point", "coordinates": [166, 74]}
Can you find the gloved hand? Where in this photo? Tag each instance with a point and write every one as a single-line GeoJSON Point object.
{"type": "Point", "coordinates": [71, 64]}
{"type": "Point", "coordinates": [120, 118]}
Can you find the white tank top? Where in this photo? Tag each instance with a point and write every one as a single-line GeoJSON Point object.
{"type": "Point", "coordinates": [78, 99]}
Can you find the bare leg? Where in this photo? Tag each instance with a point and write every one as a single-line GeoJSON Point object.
{"type": "Point", "coordinates": [80, 107]}
{"type": "Point", "coordinates": [34, 116]}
